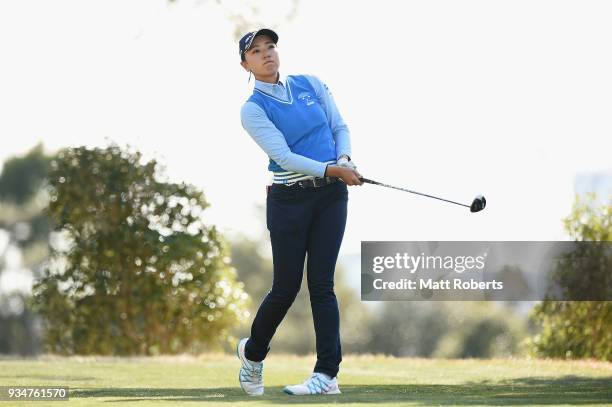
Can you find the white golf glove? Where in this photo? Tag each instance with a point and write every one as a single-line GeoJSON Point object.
{"type": "Point", "coordinates": [345, 161]}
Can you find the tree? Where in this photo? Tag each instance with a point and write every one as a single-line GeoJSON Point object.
{"type": "Point", "coordinates": [135, 270]}
{"type": "Point", "coordinates": [580, 329]}
{"type": "Point", "coordinates": [22, 177]}
{"type": "Point", "coordinates": [24, 232]}
{"type": "Point", "coordinates": [476, 329]}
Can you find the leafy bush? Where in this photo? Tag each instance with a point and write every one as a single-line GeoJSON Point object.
{"type": "Point", "coordinates": [134, 269]}
{"type": "Point", "coordinates": [580, 329]}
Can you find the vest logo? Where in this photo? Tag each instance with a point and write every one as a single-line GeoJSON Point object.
{"type": "Point", "coordinates": [306, 98]}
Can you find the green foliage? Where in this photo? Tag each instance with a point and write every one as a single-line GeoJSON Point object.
{"type": "Point", "coordinates": [580, 329]}
{"type": "Point", "coordinates": [573, 330]}
{"type": "Point", "coordinates": [24, 229]}
{"type": "Point", "coordinates": [22, 177]}
{"type": "Point", "coordinates": [18, 331]}
{"type": "Point", "coordinates": [21, 201]}
{"type": "Point", "coordinates": [481, 330]}
{"type": "Point", "coordinates": [446, 329]}
{"type": "Point", "coordinates": [136, 271]}
{"type": "Point", "coordinates": [588, 221]}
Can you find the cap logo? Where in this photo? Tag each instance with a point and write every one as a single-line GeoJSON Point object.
{"type": "Point", "coordinates": [249, 40]}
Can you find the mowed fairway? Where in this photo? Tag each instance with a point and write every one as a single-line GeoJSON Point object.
{"type": "Point", "coordinates": [211, 380]}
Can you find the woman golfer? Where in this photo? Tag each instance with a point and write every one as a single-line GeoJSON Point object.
{"type": "Point", "coordinates": [295, 121]}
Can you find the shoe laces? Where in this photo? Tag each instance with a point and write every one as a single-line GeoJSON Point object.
{"type": "Point", "coordinates": [253, 370]}
{"type": "Point", "coordinates": [317, 384]}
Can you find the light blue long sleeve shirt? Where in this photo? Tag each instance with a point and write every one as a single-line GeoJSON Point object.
{"type": "Point", "coordinates": [271, 140]}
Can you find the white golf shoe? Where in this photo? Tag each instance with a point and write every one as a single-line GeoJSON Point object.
{"type": "Point", "coordinates": [251, 373]}
{"type": "Point", "coordinates": [318, 383]}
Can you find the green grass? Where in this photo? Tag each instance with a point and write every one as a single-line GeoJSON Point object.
{"type": "Point", "coordinates": [211, 380]}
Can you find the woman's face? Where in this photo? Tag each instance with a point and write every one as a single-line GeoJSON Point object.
{"type": "Point", "coordinates": [262, 58]}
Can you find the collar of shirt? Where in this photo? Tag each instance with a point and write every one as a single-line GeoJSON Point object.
{"type": "Point", "coordinates": [275, 89]}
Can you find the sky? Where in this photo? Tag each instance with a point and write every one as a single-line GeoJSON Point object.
{"type": "Point", "coordinates": [452, 98]}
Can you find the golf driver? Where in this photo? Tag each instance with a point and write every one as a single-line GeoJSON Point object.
{"type": "Point", "coordinates": [477, 205]}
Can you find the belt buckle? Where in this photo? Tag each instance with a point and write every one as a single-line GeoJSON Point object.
{"type": "Point", "coordinates": [306, 183]}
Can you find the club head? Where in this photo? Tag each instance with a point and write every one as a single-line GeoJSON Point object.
{"type": "Point", "coordinates": [479, 204]}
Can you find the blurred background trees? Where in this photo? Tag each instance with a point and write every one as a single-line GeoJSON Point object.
{"type": "Point", "coordinates": [580, 329]}
{"type": "Point", "coordinates": [398, 328]}
{"type": "Point", "coordinates": [24, 232]}
{"type": "Point", "coordinates": [134, 269]}
{"type": "Point", "coordinates": [447, 329]}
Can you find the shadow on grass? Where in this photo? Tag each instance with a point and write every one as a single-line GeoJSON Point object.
{"type": "Point", "coordinates": [521, 391]}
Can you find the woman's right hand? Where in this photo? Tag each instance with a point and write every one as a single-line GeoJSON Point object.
{"type": "Point", "coordinates": [347, 175]}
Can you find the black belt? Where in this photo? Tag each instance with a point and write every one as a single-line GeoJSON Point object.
{"type": "Point", "coordinates": [314, 182]}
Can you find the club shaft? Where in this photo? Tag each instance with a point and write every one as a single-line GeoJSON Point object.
{"type": "Point", "coordinates": [369, 181]}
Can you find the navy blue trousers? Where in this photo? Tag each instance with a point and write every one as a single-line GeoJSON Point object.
{"type": "Point", "coordinates": [303, 221]}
